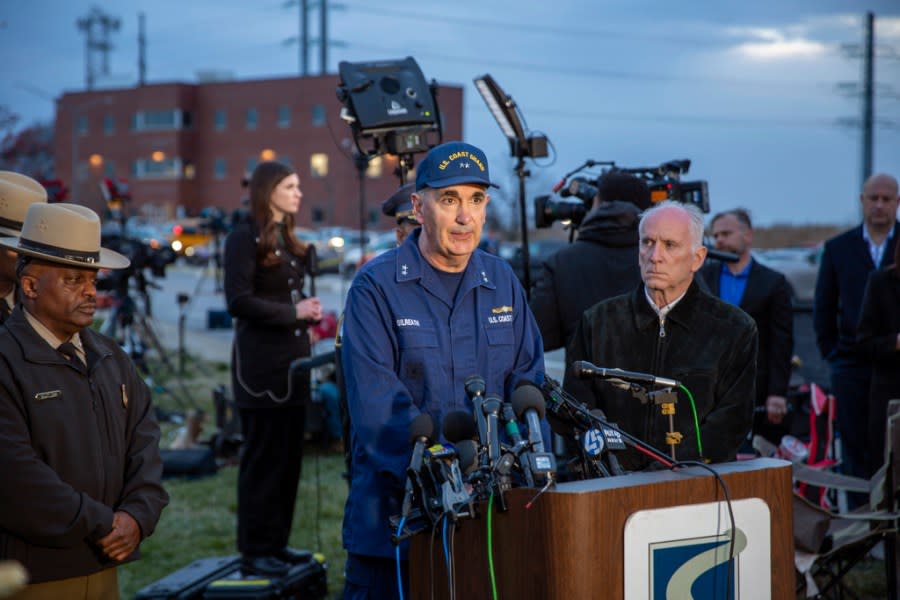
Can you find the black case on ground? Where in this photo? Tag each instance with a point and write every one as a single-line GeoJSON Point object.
{"type": "Point", "coordinates": [221, 578]}
{"type": "Point", "coordinates": [189, 583]}
{"type": "Point", "coordinates": [305, 581]}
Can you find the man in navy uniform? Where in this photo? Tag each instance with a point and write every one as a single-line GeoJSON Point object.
{"type": "Point", "coordinates": [399, 206]}
{"type": "Point", "coordinates": [419, 320]}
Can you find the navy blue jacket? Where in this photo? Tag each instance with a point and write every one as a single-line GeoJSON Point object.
{"type": "Point", "coordinates": [407, 349]}
{"type": "Point", "coordinates": [844, 269]}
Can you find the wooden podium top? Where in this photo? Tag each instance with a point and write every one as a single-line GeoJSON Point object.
{"type": "Point", "coordinates": [570, 543]}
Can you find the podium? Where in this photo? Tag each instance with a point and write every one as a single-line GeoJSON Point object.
{"type": "Point", "coordinates": [570, 544]}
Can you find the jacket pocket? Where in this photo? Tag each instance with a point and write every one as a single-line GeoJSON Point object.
{"type": "Point", "coordinates": [502, 335]}
{"type": "Point", "coordinates": [417, 337]}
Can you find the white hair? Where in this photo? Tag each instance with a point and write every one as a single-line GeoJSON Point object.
{"type": "Point", "coordinates": [695, 217]}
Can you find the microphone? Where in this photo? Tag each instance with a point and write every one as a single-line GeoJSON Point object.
{"type": "Point", "coordinates": [312, 268]}
{"type": "Point", "coordinates": [468, 455]}
{"type": "Point", "coordinates": [491, 409]}
{"type": "Point", "coordinates": [510, 424]}
{"type": "Point", "coordinates": [528, 401]}
{"type": "Point", "coordinates": [458, 426]}
{"type": "Point", "coordinates": [582, 369]}
{"type": "Point", "coordinates": [420, 433]}
{"type": "Point", "coordinates": [475, 387]}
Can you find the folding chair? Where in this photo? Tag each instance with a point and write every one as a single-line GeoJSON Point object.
{"type": "Point", "coordinates": [828, 544]}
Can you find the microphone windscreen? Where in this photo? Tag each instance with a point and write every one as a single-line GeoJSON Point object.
{"type": "Point", "coordinates": [474, 385]}
{"type": "Point", "coordinates": [421, 426]}
{"type": "Point", "coordinates": [459, 425]}
{"type": "Point", "coordinates": [528, 396]}
{"type": "Point", "coordinates": [468, 455]}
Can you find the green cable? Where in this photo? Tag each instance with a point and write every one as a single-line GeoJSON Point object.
{"type": "Point", "coordinates": [490, 545]}
{"type": "Point", "coordinates": [696, 420]}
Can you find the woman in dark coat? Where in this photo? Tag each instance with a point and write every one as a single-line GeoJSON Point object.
{"type": "Point", "coordinates": [878, 336]}
{"type": "Point", "coordinates": [265, 269]}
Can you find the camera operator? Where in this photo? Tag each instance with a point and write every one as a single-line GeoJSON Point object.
{"type": "Point", "coordinates": [600, 264]}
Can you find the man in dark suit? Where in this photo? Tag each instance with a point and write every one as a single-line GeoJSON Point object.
{"type": "Point", "coordinates": [764, 294]}
{"type": "Point", "coordinates": [846, 263]}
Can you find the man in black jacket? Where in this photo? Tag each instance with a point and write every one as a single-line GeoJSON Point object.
{"type": "Point", "coordinates": [764, 294]}
{"type": "Point", "coordinates": [80, 452]}
{"type": "Point", "coordinates": [600, 264]}
{"type": "Point", "coordinates": [669, 327]}
{"type": "Point", "coordinates": [846, 263]}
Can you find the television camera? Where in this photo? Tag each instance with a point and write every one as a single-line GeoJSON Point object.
{"type": "Point", "coordinates": [577, 194]}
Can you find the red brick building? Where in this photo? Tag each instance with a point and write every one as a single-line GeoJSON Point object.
{"type": "Point", "coordinates": [186, 146]}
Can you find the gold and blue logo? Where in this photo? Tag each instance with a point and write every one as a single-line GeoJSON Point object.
{"type": "Point", "coordinates": [704, 568]}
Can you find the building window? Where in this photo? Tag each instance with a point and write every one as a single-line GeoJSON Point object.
{"type": "Point", "coordinates": [251, 164]}
{"type": "Point", "coordinates": [81, 125]}
{"type": "Point", "coordinates": [252, 118]}
{"type": "Point", "coordinates": [161, 120]}
{"type": "Point", "coordinates": [373, 171]}
{"type": "Point", "coordinates": [221, 120]}
{"type": "Point", "coordinates": [318, 165]}
{"type": "Point", "coordinates": [109, 169]}
{"type": "Point", "coordinates": [109, 124]}
{"type": "Point", "coordinates": [318, 115]}
{"type": "Point", "coordinates": [220, 169]}
{"type": "Point", "coordinates": [147, 168]}
{"type": "Point", "coordinates": [284, 116]}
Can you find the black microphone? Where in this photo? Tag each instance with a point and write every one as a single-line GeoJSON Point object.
{"type": "Point", "coordinates": [458, 426]}
{"type": "Point", "coordinates": [491, 409]}
{"type": "Point", "coordinates": [528, 402]}
{"type": "Point", "coordinates": [475, 387]}
{"type": "Point", "coordinates": [312, 268]}
{"type": "Point", "coordinates": [582, 369]}
{"type": "Point", "coordinates": [420, 433]}
{"type": "Point", "coordinates": [467, 450]}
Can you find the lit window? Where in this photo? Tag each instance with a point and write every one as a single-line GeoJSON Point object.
{"type": "Point", "coordinates": [318, 115]}
{"type": "Point", "coordinates": [374, 169]}
{"type": "Point", "coordinates": [318, 164]}
{"type": "Point", "coordinates": [221, 120]}
{"type": "Point", "coordinates": [96, 160]}
{"type": "Point", "coordinates": [284, 116]}
{"type": "Point", "coordinates": [267, 154]}
{"type": "Point", "coordinates": [189, 170]}
{"type": "Point", "coordinates": [252, 118]}
{"type": "Point", "coordinates": [109, 124]}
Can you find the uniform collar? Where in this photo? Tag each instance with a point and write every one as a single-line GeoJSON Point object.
{"type": "Point", "coordinates": [411, 265]}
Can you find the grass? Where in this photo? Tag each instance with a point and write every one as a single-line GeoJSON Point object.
{"type": "Point", "coordinates": [200, 520]}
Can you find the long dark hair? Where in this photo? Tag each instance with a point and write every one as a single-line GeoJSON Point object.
{"type": "Point", "coordinates": [265, 178]}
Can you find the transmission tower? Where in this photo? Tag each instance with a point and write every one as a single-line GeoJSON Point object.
{"type": "Point", "coordinates": [97, 26]}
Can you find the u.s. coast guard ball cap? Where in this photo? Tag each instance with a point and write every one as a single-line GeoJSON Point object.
{"type": "Point", "coordinates": [453, 163]}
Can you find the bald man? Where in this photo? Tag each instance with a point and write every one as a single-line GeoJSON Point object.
{"type": "Point", "coordinates": [846, 263]}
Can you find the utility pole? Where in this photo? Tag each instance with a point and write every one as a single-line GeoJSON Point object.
{"type": "Point", "coordinates": [868, 108]}
{"type": "Point", "coordinates": [97, 26]}
{"type": "Point", "coordinates": [142, 51]}
{"type": "Point", "coordinates": [323, 36]}
{"type": "Point", "coordinates": [304, 37]}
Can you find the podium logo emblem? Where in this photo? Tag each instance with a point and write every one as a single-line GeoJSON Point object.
{"type": "Point", "coordinates": [699, 568]}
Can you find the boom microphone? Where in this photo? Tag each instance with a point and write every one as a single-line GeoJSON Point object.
{"type": "Point", "coordinates": [582, 369]}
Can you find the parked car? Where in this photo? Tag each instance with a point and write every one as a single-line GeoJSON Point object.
{"type": "Point", "coordinates": [799, 265]}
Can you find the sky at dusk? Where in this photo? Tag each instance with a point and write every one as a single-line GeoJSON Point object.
{"type": "Point", "coordinates": [761, 96]}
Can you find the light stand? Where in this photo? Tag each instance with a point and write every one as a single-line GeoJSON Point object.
{"type": "Point", "coordinates": [505, 112]}
{"type": "Point", "coordinates": [182, 300]}
{"type": "Point", "coordinates": [361, 161]}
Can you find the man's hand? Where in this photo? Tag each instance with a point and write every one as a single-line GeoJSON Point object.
{"type": "Point", "coordinates": [124, 538]}
{"type": "Point", "coordinates": [776, 408]}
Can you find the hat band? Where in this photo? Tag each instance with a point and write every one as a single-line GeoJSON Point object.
{"type": "Point", "coordinates": [9, 223]}
{"type": "Point", "coordinates": [56, 251]}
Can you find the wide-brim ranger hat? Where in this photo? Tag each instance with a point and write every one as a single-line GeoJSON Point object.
{"type": "Point", "coordinates": [453, 163]}
{"type": "Point", "coordinates": [17, 193]}
{"type": "Point", "coordinates": [68, 234]}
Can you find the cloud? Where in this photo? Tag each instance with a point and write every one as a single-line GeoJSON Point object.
{"type": "Point", "coordinates": [776, 43]}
